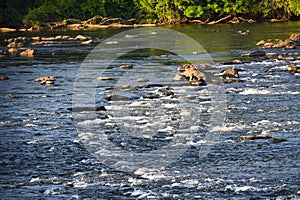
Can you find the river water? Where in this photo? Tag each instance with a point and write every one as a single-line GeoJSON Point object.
{"type": "Point", "coordinates": [49, 151]}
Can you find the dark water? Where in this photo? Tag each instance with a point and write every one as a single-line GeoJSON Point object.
{"type": "Point", "coordinates": [44, 155]}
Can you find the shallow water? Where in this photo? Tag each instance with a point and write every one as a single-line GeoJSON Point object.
{"type": "Point", "coordinates": [47, 151]}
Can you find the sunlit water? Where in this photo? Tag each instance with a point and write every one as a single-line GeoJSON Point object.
{"type": "Point", "coordinates": [43, 155]}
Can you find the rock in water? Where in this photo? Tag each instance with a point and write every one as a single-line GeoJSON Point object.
{"type": "Point", "coordinates": [192, 74]}
{"type": "Point", "coordinates": [142, 80]}
{"type": "Point", "coordinates": [104, 78]}
{"type": "Point", "coordinates": [27, 52]}
{"type": "Point", "coordinates": [257, 53]}
{"type": "Point", "coordinates": [126, 66]}
{"type": "Point", "coordinates": [44, 79]}
{"type": "Point", "coordinates": [178, 78]}
{"type": "Point", "coordinates": [87, 42]}
{"type": "Point", "coordinates": [3, 77]}
{"type": "Point", "coordinates": [230, 73]}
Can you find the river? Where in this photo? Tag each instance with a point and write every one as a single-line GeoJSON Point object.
{"type": "Point", "coordinates": [49, 151]}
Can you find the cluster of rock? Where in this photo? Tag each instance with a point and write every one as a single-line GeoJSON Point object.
{"type": "Point", "coordinates": [192, 74]}
{"type": "Point", "coordinates": [291, 43]}
{"type": "Point", "coordinates": [17, 46]}
{"type": "Point", "coordinates": [48, 80]}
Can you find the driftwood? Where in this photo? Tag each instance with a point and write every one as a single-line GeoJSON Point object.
{"type": "Point", "coordinates": [220, 20]}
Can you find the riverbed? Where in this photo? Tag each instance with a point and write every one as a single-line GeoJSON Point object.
{"type": "Point", "coordinates": [49, 150]}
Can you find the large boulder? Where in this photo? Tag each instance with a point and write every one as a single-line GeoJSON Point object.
{"type": "Point", "coordinates": [192, 74]}
{"type": "Point", "coordinates": [230, 73]}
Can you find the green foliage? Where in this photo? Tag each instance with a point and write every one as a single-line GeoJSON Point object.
{"type": "Point", "coordinates": [45, 13]}
{"type": "Point", "coordinates": [13, 12]}
{"type": "Point", "coordinates": [193, 11]}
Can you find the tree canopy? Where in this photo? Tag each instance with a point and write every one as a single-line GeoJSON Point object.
{"type": "Point", "coordinates": [36, 12]}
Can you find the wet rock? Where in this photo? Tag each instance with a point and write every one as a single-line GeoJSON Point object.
{"type": "Point", "coordinates": [13, 96]}
{"type": "Point", "coordinates": [233, 62]}
{"type": "Point", "coordinates": [269, 71]}
{"type": "Point", "coordinates": [48, 38]}
{"type": "Point", "coordinates": [292, 68]}
{"type": "Point", "coordinates": [292, 42]}
{"type": "Point", "coordinates": [81, 37]}
{"type": "Point", "coordinates": [271, 55]}
{"type": "Point", "coordinates": [260, 136]}
{"type": "Point", "coordinates": [27, 52]}
{"type": "Point", "coordinates": [230, 73]}
{"type": "Point", "coordinates": [3, 77]}
{"type": "Point", "coordinates": [13, 50]}
{"type": "Point", "coordinates": [81, 109]}
{"type": "Point", "coordinates": [260, 43]}
{"type": "Point", "coordinates": [15, 45]}
{"type": "Point", "coordinates": [87, 42]}
{"type": "Point", "coordinates": [244, 32]}
{"type": "Point", "coordinates": [295, 37]}
{"type": "Point", "coordinates": [192, 74]}
{"type": "Point", "coordinates": [6, 30]}
{"type": "Point", "coordinates": [257, 53]}
{"type": "Point", "coordinates": [65, 37]}
{"type": "Point", "coordinates": [123, 87]}
{"type": "Point", "coordinates": [48, 82]}
{"type": "Point", "coordinates": [142, 80]}
{"type": "Point", "coordinates": [268, 45]}
{"type": "Point", "coordinates": [44, 79]}
{"type": "Point", "coordinates": [290, 58]}
{"type": "Point", "coordinates": [232, 80]}
{"type": "Point", "coordinates": [104, 78]}
{"type": "Point", "coordinates": [178, 78]}
{"type": "Point", "coordinates": [115, 97]}
{"type": "Point", "coordinates": [36, 38]}
{"type": "Point", "coordinates": [126, 66]}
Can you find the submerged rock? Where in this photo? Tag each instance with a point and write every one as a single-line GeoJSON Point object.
{"type": "Point", "coordinates": [260, 136]}
{"type": "Point", "coordinates": [115, 97]}
{"type": "Point", "coordinates": [256, 53]}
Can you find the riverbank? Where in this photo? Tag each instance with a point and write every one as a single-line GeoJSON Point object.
{"type": "Point", "coordinates": [105, 23]}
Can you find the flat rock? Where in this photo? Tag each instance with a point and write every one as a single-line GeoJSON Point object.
{"type": "Point", "coordinates": [126, 66]}
{"type": "Point", "coordinates": [87, 42]}
{"type": "Point", "coordinates": [142, 80]}
{"type": "Point", "coordinates": [44, 79]}
{"type": "Point", "coordinates": [104, 78]}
